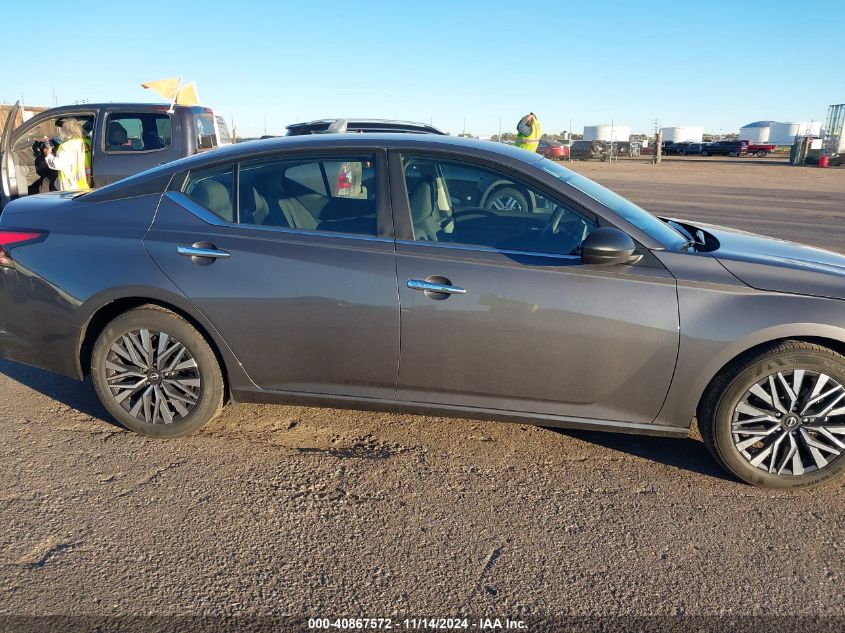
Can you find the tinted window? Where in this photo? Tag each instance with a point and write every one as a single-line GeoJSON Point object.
{"type": "Point", "coordinates": [326, 194]}
{"type": "Point", "coordinates": [214, 190]}
{"type": "Point", "coordinates": [138, 132]}
{"type": "Point", "coordinates": [467, 204]}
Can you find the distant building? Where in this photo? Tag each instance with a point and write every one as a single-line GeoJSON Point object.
{"type": "Point", "coordinates": [683, 134]}
{"type": "Point", "coordinates": [607, 133]}
{"type": "Point", "coordinates": [757, 132]}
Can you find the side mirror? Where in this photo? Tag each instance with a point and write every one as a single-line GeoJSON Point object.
{"type": "Point", "coordinates": [607, 245]}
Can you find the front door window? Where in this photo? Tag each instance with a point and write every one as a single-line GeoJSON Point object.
{"type": "Point", "coordinates": [459, 203]}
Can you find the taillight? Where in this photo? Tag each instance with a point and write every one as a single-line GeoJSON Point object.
{"type": "Point", "coordinates": [9, 238]}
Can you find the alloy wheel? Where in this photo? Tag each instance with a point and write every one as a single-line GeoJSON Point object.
{"type": "Point", "coordinates": [152, 376]}
{"type": "Point", "coordinates": [791, 422]}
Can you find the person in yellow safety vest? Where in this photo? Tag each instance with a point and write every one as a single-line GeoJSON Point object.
{"type": "Point", "coordinates": [73, 158]}
{"type": "Point", "coordinates": [528, 132]}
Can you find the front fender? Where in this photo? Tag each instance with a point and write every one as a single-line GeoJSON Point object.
{"type": "Point", "coordinates": [718, 325]}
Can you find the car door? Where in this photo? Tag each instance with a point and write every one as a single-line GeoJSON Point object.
{"type": "Point", "coordinates": [294, 270]}
{"type": "Point", "coordinates": [8, 179]}
{"type": "Point", "coordinates": [130, 141]}
{"type": "Point", "coordinates": [24, 170]}
{"type": "Point", "coordinates": [499, 312]}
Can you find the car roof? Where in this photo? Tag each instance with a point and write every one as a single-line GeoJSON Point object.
{"type": "Point", "coordinates": [355, 120]}
{"type": "Point", "coordinates": [364, 122]}
{"type": "Point", "coordinates": [82, 107]}
{"type": "Point", "coordinates": [330, 142]}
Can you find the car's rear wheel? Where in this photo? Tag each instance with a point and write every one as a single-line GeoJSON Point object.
{"type": "Point", "coordinates": [761, 153]}
{"type": "Point", "coordinates": [704, 152]}
{"type": "Point", "coordinates": [732, 154]}
{"type": "Point", "coordinates": [156, 374]}
{"type": "Point", "coordinates": [777, 418]}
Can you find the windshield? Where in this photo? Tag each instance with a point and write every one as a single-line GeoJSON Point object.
{"type": "Point", "coordinates": [637, 216]}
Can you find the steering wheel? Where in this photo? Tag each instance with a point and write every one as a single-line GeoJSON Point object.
{"type": "Point", "coordinates": [553, 223]}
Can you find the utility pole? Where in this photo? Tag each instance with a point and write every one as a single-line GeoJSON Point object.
{"type": "Point", "coordinates": [658, 143]}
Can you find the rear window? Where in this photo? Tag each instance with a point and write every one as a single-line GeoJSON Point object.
{"type": "Point", "coordinates": [206, 137]}
{"type": "Point", "coordinates": [138, 132]}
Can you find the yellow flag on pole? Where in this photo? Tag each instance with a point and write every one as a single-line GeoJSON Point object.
{"type": "Point", "coordinates": [188, 95]}
{"type": "Point", "coordinates": [165, 87]}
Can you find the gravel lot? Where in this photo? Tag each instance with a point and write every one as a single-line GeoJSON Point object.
{"type": "Point", "coordinates": [289, 510]}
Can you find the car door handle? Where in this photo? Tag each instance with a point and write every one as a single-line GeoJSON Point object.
{"type": "Point", "coordinates": [205, 251]}
{"type": "Point", "coordinates": [441, 287]}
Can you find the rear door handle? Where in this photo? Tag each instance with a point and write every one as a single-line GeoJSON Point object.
{"type": "Point", "coordinates": [435, 285]}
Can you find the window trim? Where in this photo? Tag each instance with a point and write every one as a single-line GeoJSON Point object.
{"type": "Point", "coordinates": [486, 249]}
{"type": "Point", "coordinates": [402, 209]}
{"type": "Point", "coordinates": [133, 152]}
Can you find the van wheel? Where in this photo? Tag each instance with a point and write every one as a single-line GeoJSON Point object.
{"type": "Point", "coordinates": [732, 154]}
{"type": "Point", "coordinates": [777, 418]}
{"type": "Point", "coordinates": [156, 374]}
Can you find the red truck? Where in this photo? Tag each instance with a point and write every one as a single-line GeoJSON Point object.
{"type": "Point", "coordinates": [759, 150]}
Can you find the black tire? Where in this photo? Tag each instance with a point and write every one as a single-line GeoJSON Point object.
{"type": "Point", "coordinates": [732, 154]}
{"type": "Point", "coordinates": [704, 152]}
{"type": "Point", "coordinates": [200, 405]}
{"type": "Point", "coordinates": [717, 410]}
{"type": "Point", "coordinates": [761, 153]}
{"type": "Point", "coordinates": [518, 197]}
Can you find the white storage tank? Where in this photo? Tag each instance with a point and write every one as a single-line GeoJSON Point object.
{"type": "Point", "coordinates": [683, 134]}
{"type": "Point", "coordinates": [757, 133]}
{"type": "Point", "coordinates": [784, 133]}
{"type": "Point", "coordinates": [607, 133]}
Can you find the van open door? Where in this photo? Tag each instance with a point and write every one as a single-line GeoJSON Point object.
{"type": "Point", "coordinates": [8, 182]}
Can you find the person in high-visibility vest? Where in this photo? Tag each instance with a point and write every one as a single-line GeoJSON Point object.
{"type": "Point", "coordinates": [528, 132]}
{"type": "Point", "coordinates": [72, 159]}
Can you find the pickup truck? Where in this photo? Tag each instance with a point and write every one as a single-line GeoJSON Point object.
{"type": "Point", "coordinates": [126, 138]}
{"type": "Point", "coordinates": [759, 150]}
{"type": "Point", "coordinates": [725, 148]}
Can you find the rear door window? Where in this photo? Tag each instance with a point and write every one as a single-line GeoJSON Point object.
{"type": "Point", "coordinates": [329, 194]}
{"type": "Point", "coordinates": [213, 189]}
{"type": "Point", "coordinates": [138, 132]}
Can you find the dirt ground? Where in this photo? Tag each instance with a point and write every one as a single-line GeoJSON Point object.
{"type": "Point", "coordinates": [327, 513]}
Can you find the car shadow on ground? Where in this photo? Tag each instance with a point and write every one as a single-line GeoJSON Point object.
{"type": "Point", "coordinates": [73, 393]}
{"type": "Point", "coordinates": [685, 453]}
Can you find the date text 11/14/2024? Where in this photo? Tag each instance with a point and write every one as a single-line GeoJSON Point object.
{"type": "Point", "coordinates": [417, 624]}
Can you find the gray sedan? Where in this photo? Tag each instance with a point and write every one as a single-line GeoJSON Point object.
{"type": "Point", "coordinates": [384, 272]}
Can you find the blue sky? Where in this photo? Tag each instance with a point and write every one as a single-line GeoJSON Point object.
{"type": "Point", "coordinates": [714, 63]}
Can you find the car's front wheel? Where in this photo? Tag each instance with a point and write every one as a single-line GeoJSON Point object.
{"type": "Point", "coordinates": [777, 418]}
{"type": "Point", "coordinates": [156, 374]}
